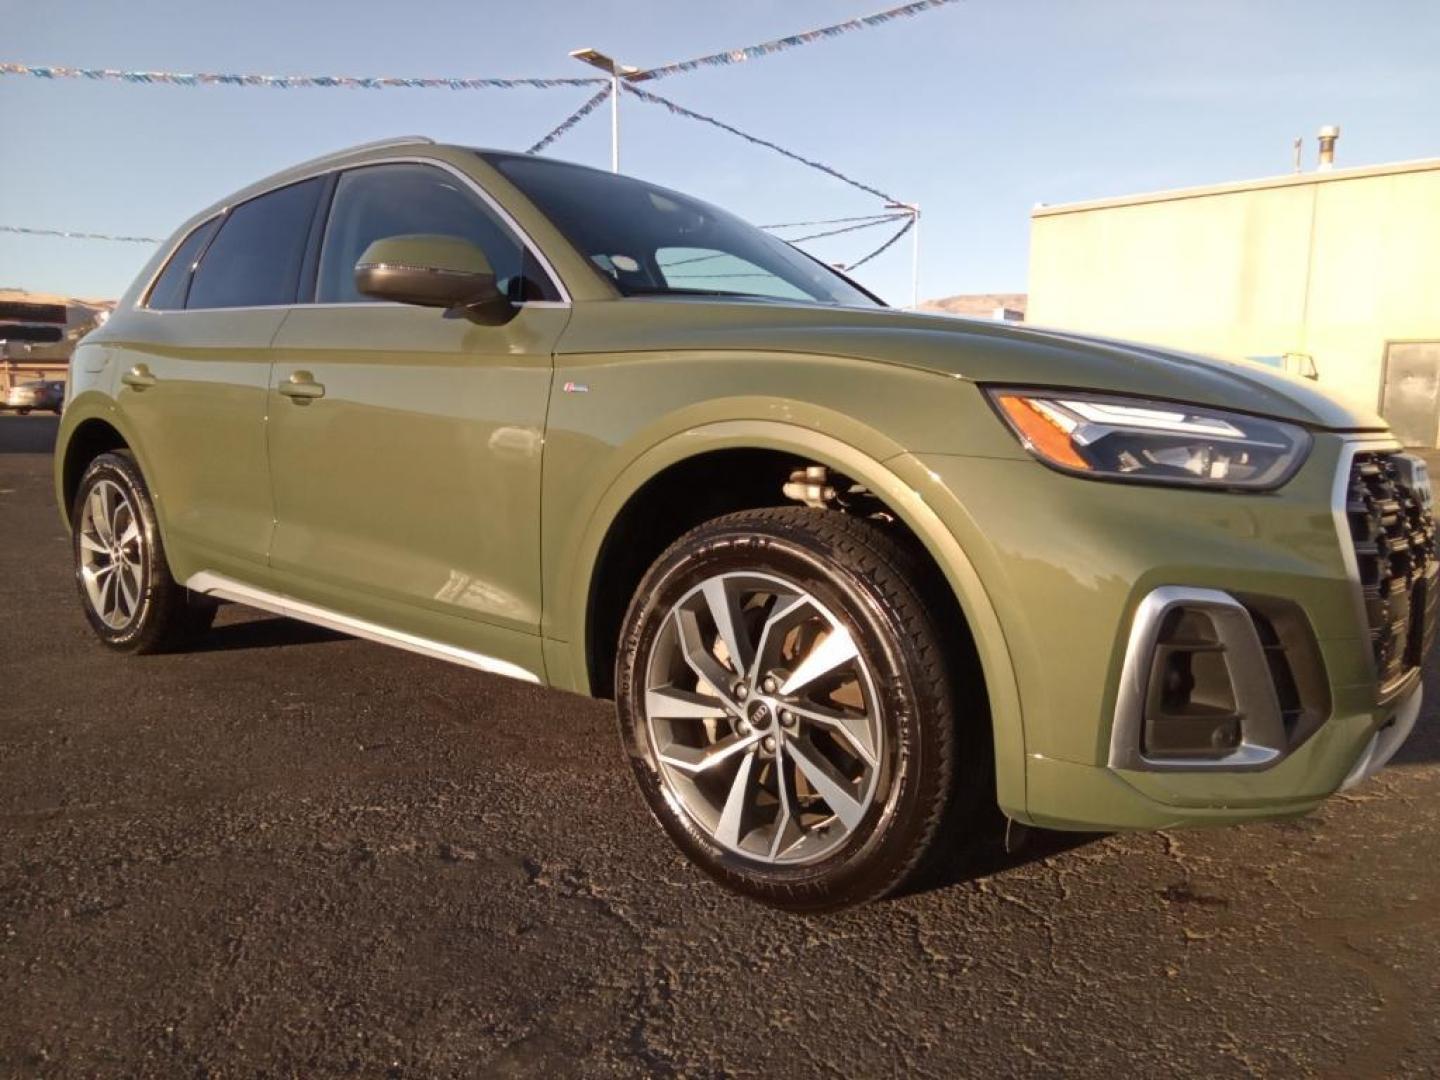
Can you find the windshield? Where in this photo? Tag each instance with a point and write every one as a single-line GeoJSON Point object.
{"type": "Point", "coordinates": [652, 241]}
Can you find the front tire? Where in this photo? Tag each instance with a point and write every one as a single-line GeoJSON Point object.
{"type": "Point", "coordinates": [129, 597]}
{"type": "Point", "coordinates": [785, 702]}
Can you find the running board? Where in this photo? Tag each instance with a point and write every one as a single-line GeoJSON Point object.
{"type": "Point", "coordinates": [224, 588]}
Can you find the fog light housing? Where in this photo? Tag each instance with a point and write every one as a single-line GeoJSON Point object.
{"type": "Point", "coordinates": [1196, 688]}
{"type": "Point", "coordinates": [1191, 709]}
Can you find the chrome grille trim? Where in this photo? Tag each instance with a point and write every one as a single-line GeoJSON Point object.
{"type": "Point", "coordinates": [1387, 539]}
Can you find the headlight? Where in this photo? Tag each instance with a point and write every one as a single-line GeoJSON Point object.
{"type": "Point", "coordinates": [1118, 438]}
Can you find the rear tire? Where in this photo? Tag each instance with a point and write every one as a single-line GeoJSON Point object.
{"type": "Point", "coordinates": [844, 801]}
{"type": "Point", "coordinates": [129, 597]}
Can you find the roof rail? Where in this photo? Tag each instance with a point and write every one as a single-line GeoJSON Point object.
{"type": "Point", "coordinates": [396, 140]}
{"type": "Point", "coordinates": [377, 144]}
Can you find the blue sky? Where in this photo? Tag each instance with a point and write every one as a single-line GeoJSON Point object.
{"type": "Point", "coordinates": [977, 111]}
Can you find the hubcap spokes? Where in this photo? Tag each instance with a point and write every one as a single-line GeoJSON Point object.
{"type": "Point", "coordinates": [761, 711]}
{"type": "Point", "coordinates": [111, 554]}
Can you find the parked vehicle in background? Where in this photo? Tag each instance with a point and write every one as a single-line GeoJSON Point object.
{"type": "Point", "coordinates": [36, 394]}
{"type": "Point", "coordinates": [854, 577]}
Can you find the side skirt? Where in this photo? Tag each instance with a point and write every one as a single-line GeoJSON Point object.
{"type": "Point", "coordinates": [224, 588]}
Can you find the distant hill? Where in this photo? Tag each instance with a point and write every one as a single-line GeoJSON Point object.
{"type": "Point", "coordinates": [977, 305]}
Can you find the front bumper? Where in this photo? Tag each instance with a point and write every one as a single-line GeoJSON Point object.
{"type": "Point", "coordinates": [1067, 564]}
{"type": "Point", "coordinates": [1386, 742]}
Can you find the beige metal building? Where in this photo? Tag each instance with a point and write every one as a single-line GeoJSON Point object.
{"type": "Point", "coordinates": [1333, 274]}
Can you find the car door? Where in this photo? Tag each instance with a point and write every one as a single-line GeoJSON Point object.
{"type": "Point", "coordinates": [194, 367]}
{"type": "Point", "coordinates": [407, 479]}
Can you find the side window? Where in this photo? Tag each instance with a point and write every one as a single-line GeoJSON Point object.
{"type": "Point", "coordinates": [378, 201]}
{"type": "Point", "coordinates": [706, 268]}
{"type": "Point", "coordinates": [168, 292]}
{"type": "Point", "coordinates": [256, 257]}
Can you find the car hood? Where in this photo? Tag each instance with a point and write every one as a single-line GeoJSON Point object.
{"type": "Point", "coordinates": [971, 349]}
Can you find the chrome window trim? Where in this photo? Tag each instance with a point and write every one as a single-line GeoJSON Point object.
{"type": "Point", "coordinates": [221, 587]}
{"type": "Point", "coordinates": [1263, 740]}
{"type": "Point", "coordinates": [143, 304]}
{"type": "Point", "coordinates": [489, 200]}
{"type": "Point", "coordinates": [1352, 446]}
{"type": "Point", "coordinates": [336, 306]}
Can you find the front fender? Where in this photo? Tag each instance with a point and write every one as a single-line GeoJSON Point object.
{"type": "Point", "coordinates": [890, 473]}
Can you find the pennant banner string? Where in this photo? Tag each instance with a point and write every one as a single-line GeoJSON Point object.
{"type": "Point", "coordinates": [883, 247]}
{"type": "Point", "coordinates": [827, 221]}
{"type": "Point", "coordinates": [287, 82]}
{"type": "Point", "coordinates": [769, 48]}
{"type": "Point", "coordinates": [680, 110]}
{"type": "Point", "coordinates": [594, 102]}
{"type": "Point", "coordinates": [573, 119]}
{"type": "Point", "coordinates": [78, 235]}
{"type": "Point", "coordinates": [846, 229]}
{"type": "Point", "coordinates": [866, 224]}
{"type": "Point", "coordinates": [386, 82]}
{"type": "Point", "coordinates": [715, 277]}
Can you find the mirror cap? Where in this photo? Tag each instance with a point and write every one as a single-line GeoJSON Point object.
{"type": "Point", "coordinates": [428, 270]}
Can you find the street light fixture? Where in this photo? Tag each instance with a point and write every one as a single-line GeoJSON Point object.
{"type": "Point", "coordinates": [631, 74]}
{"type": "Point", "coordinates": [616, 71]}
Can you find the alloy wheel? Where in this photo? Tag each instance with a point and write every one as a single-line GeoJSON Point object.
{"type": "Point", "coordinates": [762, 714]}
{"type": "Point", "coordinates": [111, 554]}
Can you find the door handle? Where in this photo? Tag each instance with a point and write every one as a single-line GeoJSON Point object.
{"type": "Point", "coordinates": [139, 377]}
{"type": "Point", "coordinates": [301, 388]}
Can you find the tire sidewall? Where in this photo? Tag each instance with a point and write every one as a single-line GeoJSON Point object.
{"type": "Point", "coordinates": [863, 857]}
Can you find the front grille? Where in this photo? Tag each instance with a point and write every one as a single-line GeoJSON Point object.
{"type": "Point", "coordinates": [1394, 537]}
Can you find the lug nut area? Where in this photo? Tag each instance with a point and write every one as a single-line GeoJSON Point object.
{"type": "Point", "coordinates": [760, 714]}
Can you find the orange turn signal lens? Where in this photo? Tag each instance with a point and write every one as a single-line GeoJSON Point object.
{"type": "Point", "coordinates": [1041, 433]}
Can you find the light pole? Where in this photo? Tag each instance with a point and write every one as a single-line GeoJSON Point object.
{"type": "Point", "coordinates": [913, 209]}
{"type": "Point", "coordinates": [616, 71]}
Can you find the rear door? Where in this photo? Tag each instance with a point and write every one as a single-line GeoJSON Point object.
{"type": "Point", "coordinates": [408, 494]}
{"type": "Point", "coordinates": [193, 378]}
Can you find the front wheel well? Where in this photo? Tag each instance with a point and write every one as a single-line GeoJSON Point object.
{"type": "Point", "coordinates": [709, 485]}
{"type": "Point", "coordinates": [91, 439]}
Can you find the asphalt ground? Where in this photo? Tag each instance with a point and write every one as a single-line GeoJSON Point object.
{"type": "Point", "coordinates": [294, 853]}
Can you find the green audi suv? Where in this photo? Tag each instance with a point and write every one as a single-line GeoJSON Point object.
{"type": "Point", "coordinates": [855, 578]}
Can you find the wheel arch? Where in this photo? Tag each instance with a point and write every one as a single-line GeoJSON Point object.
{"type": "Point", "coordinates": [89, 439]}
{"type": "Point", "coordinates": [592, 633]}
{"type": "Point", "coordinates": [90, 426]}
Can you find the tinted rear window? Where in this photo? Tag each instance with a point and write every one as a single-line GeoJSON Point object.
{"type": "Point", "coordinates": [256, 258]}
{"type": "Point", "coordinates": [169, 290]}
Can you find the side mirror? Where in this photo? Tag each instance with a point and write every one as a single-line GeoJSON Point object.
{"type": "Point", "coordinates": [432, 271]}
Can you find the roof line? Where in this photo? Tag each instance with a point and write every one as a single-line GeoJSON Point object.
{"type": "Point", "coordinates": [375, 144]}
{"type": "Point", "coordinates": [1235, 186]}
